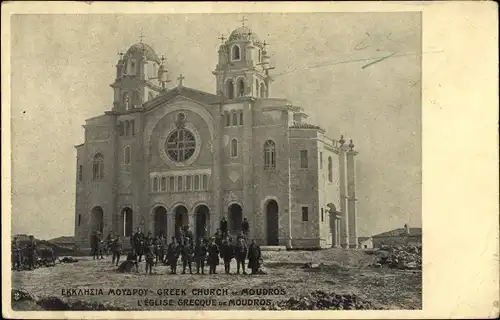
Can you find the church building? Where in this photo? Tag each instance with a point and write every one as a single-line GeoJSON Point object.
{"type": "Point", "coordinates": [164, 156]}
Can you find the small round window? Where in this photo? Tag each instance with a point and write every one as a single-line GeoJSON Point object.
{"type": "Point", "coordinates": [180, 145]}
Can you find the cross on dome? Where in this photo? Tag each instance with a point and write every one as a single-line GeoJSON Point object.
{"type": "Point", "coordinates": [180, 78]}
{"type": "Point", "coordinates": [222, 38]}
{"type": "Point", "coordinates": [142, 36]}
{"type": "Point", "coordinates": [243, 20]}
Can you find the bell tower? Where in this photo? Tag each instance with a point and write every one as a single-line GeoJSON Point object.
{"type": "Point", "coordinates": [140, 76]}
{"type": "Point", "coordinates": [243, 66]}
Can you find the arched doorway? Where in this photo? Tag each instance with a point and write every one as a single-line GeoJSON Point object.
{"type": "Point", "coordinates": [127, 222]}
{"type": "Point", "coordinates": [272, 219]}
{"type": "Point", "coordinates": [202, 221]}
{"type": "Point", "coordinates": [160, 225]}
{"type": "Point", "coordinates": [97, 219]}
{"type": "Point", "coordinates": [235, 218]}
{"type": "Point", "coordinates": [181, 218]}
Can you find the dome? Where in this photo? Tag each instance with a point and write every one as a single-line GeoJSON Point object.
{"type": "Point", "coordinates": [144, 49]}
{"type": "Point", "coordinates": [243, 33]}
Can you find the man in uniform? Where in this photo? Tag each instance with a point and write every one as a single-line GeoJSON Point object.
{"type": "Point", "coordinates": [254, 257]}
{"type": "Point", "coordinates": [108, 242]}
{"type": "Point", "coordinates": [187, 255]}
{"type": "Point", "coordinates": [173, 255]}
{"type": "Point", "coordinates": [245, 227]}
{"type": "Point", "coordinates": [227, 253]}
{"type": "Point", "coordinates": [241, 252]}
{"type": "Point", "coordinates": [95, 242]}
{"type": "Point", "coordinates": [223, 227]}
{"type": "Point", "coordinates": [149, 256]}
{"type": "Point", "coordinates": [213, 256]}
{"type": "Point", "coordinates": [116, 249]}
{"type": "Point", "coordinates": [188, 234]}
{"type": "Point", "coordinates": [200, 252]}
{"type": "Point", "coordinates": [160, 247]}
{"type": "Point", "coordinates": [138, 243]}
{"type": "Point", "coordinates": [31, 252]}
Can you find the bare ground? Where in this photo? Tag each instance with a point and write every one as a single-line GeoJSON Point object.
{"type": "Point", "coordinates": [344, 272]}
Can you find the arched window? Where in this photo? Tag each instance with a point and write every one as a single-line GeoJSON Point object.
{"type": "Point", "coordinates": [269, 155]}
{"type": "Point", "coordinates": [127, 125]}
{"type": "Point", "coordinates": [80, 173]}
{"type": "Point", "coordinates": [235, 119]}
{"type": "Point", "coordinates": [241, 118]}
{"type": "Point", "coordinates": [132, 127]}
{"type": "Point", "coordinates": [98, 167]}
{"type": "Point", "coordinates": [197, 182]}
{"type": "Point", "coordinates": [234, 148]}
{"type": "Point", "coordinates": [241, 87]}
{"type": "Point", "coordinates": [180, 185]}
{"type": "Point", "coordinates": [256, 88]}
{"type": "Point", "coordinates": [188, 183]}
{"type": "Point", "coordinates": [126, 101]}
{"type": "Point", "coordinates": [163, 185]}
{"type": "Point", "coordinates": [230, 89]}
{"type": "Point", "coordinates": [127, 155]}
{"type": "Point", "coordinates": [135, 99]}
{"type": "Point", "coordinates": [205, 182]}
{"type": "Point", "coordinates": [235, 52]}
{"type": "Point", "coordinates": [155, 184]}
{"type": "Point", "coordinates": [330, 173]}
{"type": "Point", "coordinates": [171, 184]}
{"type": "Point", "coordinates": [228, 119]}
{"type": "Point", "coordinates": [79, 219]}
{"type": "Point", "coordinates": [262, 90]}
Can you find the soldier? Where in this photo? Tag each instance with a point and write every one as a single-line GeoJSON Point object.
{"type": "Point", "coordinates": [116, 249]}
{"type": "Point", "coordinates": [149, 239]}
{"type": "Point", "coordinates": [218, 237]}
{"type": "Point", "coordinates": [108, 242]}
{"type": "Point", "coordinates": [95, 241]}
{"type": "Point", "coordinates": [31, 252]}
{"type": "Point", "coordinates": [245, 227]}
{"type": "Point", "coordinates": [227, 253]}
{"type": "Point", "coordinates": [16, 254]}
{"type": "Point", "coordinates": [223, 227]}
{"type": "Point", "coordinates": [138, 243]}
{"type": "Point", "coordinates": [173, 255]}
{"type": "Point", "coordinates": [149, 256]}
{"type": "Point", "coordinates": [187, 255]}
{"type": "Point", "coordinates": [254, 257]}
{"type": "Point", "coordinates": [213, 256]}
{"type": "Point", "coordinates": [241, 254]}
{"type": "Point", "coordinates": [160, 247]}
{"type": "Point", "coordinates": [200, 252]}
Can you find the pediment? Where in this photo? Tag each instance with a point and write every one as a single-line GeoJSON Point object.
{"type": "Point", "coordinates": [183, 93]}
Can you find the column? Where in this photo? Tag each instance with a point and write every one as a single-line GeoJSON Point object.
{"type": "Point", "coordinates": [170, 226]}
{"type": "Point", "coordinates": [351, 189]}
{"type": "Point", "coordinates": [192, 223]}
{"type": "Point", "coordinates": [344, 221]}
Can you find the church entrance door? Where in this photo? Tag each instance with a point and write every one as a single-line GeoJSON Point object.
{"type": "Point", "coordinates": [235, 219]}
{"type": "Point", "coordinates": [97, 219]}
{"type": "Point", "coordinates": [202, 221]}
{"type": "Point", "coordinates": [181, 218]}
{"type": "Point", "coordinates": [127, 219]}
{"type": "Point", "coordinates": [160, 215]}
{"type": "Point", "coordinates": [272, 219]}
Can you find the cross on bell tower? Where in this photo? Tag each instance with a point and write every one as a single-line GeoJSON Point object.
{"type": "Point", "coordinates": [180, 78]}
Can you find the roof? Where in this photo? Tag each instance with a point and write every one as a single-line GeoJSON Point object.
{"type": "Point", "coordinates": [243, 33]}
{"type": "Point", "coordinates": [144, 49]}
{"type": "Point", "coordinates": [304, 125]}
{"type": "Point", "coordinates": [193, 94]}
{"type": "Point", "coordinates": [399, 232]}
{"type": "Point", "coordinates": [361, 239]}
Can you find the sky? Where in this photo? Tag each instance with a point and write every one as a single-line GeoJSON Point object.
{"type": "Point", "coordinates": [327, 63]}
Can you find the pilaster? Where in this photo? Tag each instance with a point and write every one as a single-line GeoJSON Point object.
{"type": "Point", "coordinates": [351, 189]}
{"type": "Point", "coordinates": [344, 221]}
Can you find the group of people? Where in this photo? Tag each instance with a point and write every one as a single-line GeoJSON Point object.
{"type": "Point", "coordinates": [202, 252]}
{"type": "Point", "coordinates": [24, 256]}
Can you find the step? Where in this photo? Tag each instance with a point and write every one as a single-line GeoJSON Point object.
{"type": "Point", "coordinates": [273, 248]}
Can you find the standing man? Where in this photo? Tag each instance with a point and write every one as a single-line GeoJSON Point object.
{"type": "Point", "coordinates": [254, 257]}
{"type": "Point", "coordinates": [188, 235]}
{"type": "Point", "coordinates": [213, 256]}
{"type": "Point", "coordinates": [241, 254]}
{"type": "Point", "coordinates": [116, 249]}
{"type": "Point", "coordinates": [200, 252]}
{"type": "Point", "coordinates": [245, 227]}
{"type": "Point", "coordinates": [187, 255]}
{"type": "Point", "coordinates": [227, 254]}
{"type": "Point", "coordinates": [223, 227]}
{"type": "Point", "coordinates": [138, 243]}
{"type": "Point", "coordinates": [94, 245]}
{"type": "Point", "coordinates": [173, 255]}
{"type": "Point", "coordinates": [149, 256]}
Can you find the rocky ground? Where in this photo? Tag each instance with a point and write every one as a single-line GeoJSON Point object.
{"type": "Point", "coordinates": [297, 280]}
